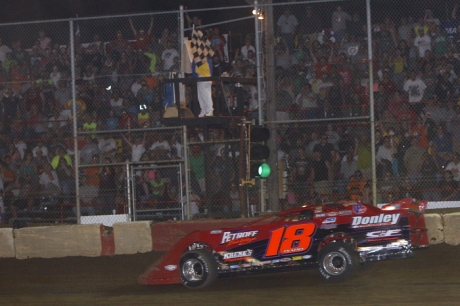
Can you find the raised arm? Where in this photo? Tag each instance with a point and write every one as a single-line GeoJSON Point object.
{"type": "Point", "coordinates": [149, 31]}
{"type": "Point", "coordinates": [133, 29]}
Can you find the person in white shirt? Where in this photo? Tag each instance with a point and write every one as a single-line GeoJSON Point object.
{"type": "Point", "coordinates": [40, 147]}
{"type": "Point", "coordinates": [247, 46]}
{"type": "Point", "coordinates": [422, 42]}
{"type": "Point", "coordinates": [287, 25]}
{"type": "Point", "coordinates": [415, 89]}
{"type": "Point", "coordinates": [168, 56]}
{"type": "Point", "coordinates": [454, 167]}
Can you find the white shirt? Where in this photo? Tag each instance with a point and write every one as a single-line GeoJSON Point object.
{"type": "Point", "coordinates": [45, 179]}
{"type": "Point", "coordinates": [107, 145]}
{"type": "Point", "coordinates": [137, 152]}
{"type": "Point", "coordinates": [415, 89]}
{"type": "Point", "coordinates": [455, 168]}
{"type": "Point", "coordinates": [42, 148]}
{"type": "Point", "coordinates": [168, 56]}
{"type": "Point", "coordinates": [287, 24]}
{"type": "Point", "coordinates": [423, 43]}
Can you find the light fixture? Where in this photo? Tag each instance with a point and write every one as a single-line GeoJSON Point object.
{"type": "Point", "coordinates": [258, 13]}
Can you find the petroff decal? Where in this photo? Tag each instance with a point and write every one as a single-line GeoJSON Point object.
{"type": "Point", "coordinates": [359, 209]}
{"type": "Point", "coordinates": [237, 255]}
{"type": "Point", "coordinates": [383, 235]}
{"type": "Point", "coordinates": [170, 267]}
{"type": "Point", "coordinates": [379, 220]}
{"type": "Point", "coordinates": [238, 238]}
{"type": "Point", "coordinates": [329, 220]}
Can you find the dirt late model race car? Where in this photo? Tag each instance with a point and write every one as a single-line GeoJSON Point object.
{"type": "Point", "coordinates": [337, 237]}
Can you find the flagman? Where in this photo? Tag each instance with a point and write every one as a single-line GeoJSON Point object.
{"type": "Point", "coordinates": [202, 67]}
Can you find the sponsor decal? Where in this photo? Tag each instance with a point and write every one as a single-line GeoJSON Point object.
{"type": "Point", "coordinates": [238, 238]}
{"type": "Point", "coordinates": [297, 258]}
{"type": "Point", "coordinates": [359, 208]}
{"type": "Point", "coordinates": [224, 267]}
{"type": "Point", "coordinates": [306, 256]}
{"type": "Point", "coordinates": [266, 262]}
{"type": "Point", "coordinates": [329, 220]}
{"type": "Point", "coordinates": [332, 214]}
{"type": "Point", "coordinates": [378, 220]}
{"type": "Point", "coordinates": [274, 261]}
{"type": "Point", "coordinates": [328, 226]}
{"type": "Point", "coordinates": [235, 267]}
{"type": "Point", "coordinates": [320, 215]}
{"type": "Point", "coordinates": [216, 231]}
{"type": "Point", "coordinates": [239, 255]}
{"type": "Point", "coordinates": [317, 211]}
{"type": "Point", "coordinates": [293, 250]}
{"type": "Point", "coordinates": [170, 267]}
{"type": "Point", "coordinates": [345, 212]}
{"type": "Point", "coordinates": [383, 235]}
{"type": "Point", "coordinates": [285, 259]}
{"type": "Point", "coordinates": [246, 265]}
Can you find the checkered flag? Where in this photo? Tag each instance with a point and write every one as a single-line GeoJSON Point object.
{"type": "Point", "coordinates": [201, 48]}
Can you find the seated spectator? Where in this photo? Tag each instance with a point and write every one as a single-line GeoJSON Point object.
{"type": "Point", "coordinates": [88, 198]}
{"type": "Point", "coordinates": [89, 150]}
{"type": "Point", "coordinates": [26, 198]}
{"type": "Point", "coordinates": [111, 122]}
{"type": "Point", "coordinates": [356, 183]}
{"type": "Point", "coordinates": [60, 154]}
{"type": "Point", "coordinates": [66, 176]}
{"type": "Point", "coordinates": [49, 182]}
{"type": "Point", "coordinates": [448, 187]}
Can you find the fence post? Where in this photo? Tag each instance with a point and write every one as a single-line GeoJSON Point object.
{"type": "Point", "coordinates": [128, 190]}
{"type": "Point", "coordinates": [74, 111]}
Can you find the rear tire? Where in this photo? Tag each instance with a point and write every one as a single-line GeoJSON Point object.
{"type": "Point", "coordinates": [337, 261]}
{"type": "Point", "coordinates": [198, 269]}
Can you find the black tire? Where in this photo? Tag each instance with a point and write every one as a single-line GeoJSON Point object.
{"type": "Point", "coordinates": [198, 269]}
{"type": "Point", "coordinates": [337, 261]}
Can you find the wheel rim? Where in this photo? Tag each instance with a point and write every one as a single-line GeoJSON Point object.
{"type": "Point", "coordinates": [193, 270]}
{"type": "Point", "coordinates": [334, 263]}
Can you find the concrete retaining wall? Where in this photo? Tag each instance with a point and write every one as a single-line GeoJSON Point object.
{"type": "Point", "coordinates": [452, 228]}
{"type": "Point", "coordinates": [93, 240]}
{"type": "Point", "coordinates": [6, 243]}
{"type": "Point", "coordinates": [434, 223]}
{"type": "Point", "coordinates": [58, 241]}
{"type": "Point", "coordinates": [132, 237]}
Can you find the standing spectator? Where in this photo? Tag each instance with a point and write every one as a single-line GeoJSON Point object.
{"type": "Point", "coordinates": [348, 167]}
{"type": "Point", "coordinates": [339, 23]}
{"type": "Point", "coordinates": [442, 140]}
{"type": "Point", "coordinates": [196, 159]}
{"type": "Point", "coordinates": [415, 88]}
{"type": "Point", "coordinates": [423, 43]}
{"type": "Point", "coordinates": [142, 37]}
{"type": "Point", "coordinates": [137, 146]}
{"type": "Point", "coordinates": [44, 42]}
{"type": "Point", "coordinates": [4, 49]}
{"type": "Point", "coordinates": [66, 178]}
{"type": "Point", "coordinates": [287, 25]}
{"type": "Point", "coordinates": [107, 187]}
{"type": "Point", "coordinates": [168, 56]}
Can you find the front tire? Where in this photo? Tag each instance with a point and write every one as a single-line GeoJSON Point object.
{"type": "Point", "coordinates": [337, 261]}
{"type": "Point", "coordinates": [198, 269]}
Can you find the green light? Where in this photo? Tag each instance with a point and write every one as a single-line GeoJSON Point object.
{"type": "Point", "coordinates": [264, 170]}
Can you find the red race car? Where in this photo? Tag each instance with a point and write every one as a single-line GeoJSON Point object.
{"type": "Point", "coordinates": [337, 237]}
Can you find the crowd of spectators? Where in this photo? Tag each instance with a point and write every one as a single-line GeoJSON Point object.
{"type": "Point", "coordinates": [321, 73]}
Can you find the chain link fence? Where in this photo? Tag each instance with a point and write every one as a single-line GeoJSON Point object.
{"type": "Point", "coordinates": [318, 84]}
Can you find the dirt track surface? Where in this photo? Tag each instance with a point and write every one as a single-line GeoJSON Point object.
{"type": "Point", "coordinates": [431, 278]}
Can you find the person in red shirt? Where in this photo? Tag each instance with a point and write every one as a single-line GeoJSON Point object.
{"type": "Point", "coordinates": [142, 38]}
